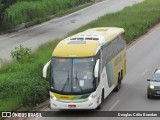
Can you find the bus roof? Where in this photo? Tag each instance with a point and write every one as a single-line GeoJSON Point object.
{"type": "Point", "coordinates": [86, 43]}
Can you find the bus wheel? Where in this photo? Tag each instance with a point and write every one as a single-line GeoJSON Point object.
{"type": "Point", "coordinates": [118, 85]}
{"type": "Point", "coordinates": [102, 98]}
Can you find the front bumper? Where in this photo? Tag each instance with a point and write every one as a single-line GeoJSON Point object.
{"type": "Point", "coordinates": [153, 92]}
{"type": "Point", "coordinates": [88, 104]}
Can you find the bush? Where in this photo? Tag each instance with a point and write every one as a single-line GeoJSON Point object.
{"type": "Point", "coordinates": [20, 53]}
{"type": "Point", "coordinates": [35, 93]}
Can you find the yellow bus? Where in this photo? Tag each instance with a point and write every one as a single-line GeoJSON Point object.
{"type": "Point", "coordinates": [86, 68]}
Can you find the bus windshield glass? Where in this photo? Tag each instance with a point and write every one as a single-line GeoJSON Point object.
{"type": "Point", "coordinates": [72, 75]}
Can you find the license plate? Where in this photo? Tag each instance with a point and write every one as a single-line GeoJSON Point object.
{"type": "Point", "coordinates": [72, 106]}
{"type": "Point", "coordinates": [158, 92]}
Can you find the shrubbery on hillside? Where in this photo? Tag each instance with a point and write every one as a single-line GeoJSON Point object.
{"type": "Point", "coordinates": [28, 10]}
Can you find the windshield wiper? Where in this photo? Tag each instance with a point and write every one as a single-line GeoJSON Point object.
{"type": "Point", "coordinates": [66, 82]}
{"type": "Point", "coordinates": [77, 82]}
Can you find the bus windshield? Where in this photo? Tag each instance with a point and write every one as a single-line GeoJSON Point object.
{"type": "Point", "coordinates": [72, 75]}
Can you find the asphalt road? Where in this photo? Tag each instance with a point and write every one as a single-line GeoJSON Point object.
{"type": "Point", "coordinates": [59, 27]}
{"type": "Point", "coordinates": [142, 59]}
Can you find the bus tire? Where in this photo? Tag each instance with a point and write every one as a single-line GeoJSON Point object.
{"type": "Point", "coordinates": [102, 99]}
{"type": "Point", "coordinates": [117, 88]}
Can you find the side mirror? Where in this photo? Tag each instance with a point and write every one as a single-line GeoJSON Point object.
{"type": "Point", "coordinates": [96, 69]}
{"type": "Point", "coordinates": [148, 79]}
{"type": "Point", "coordinates": [45, 69]}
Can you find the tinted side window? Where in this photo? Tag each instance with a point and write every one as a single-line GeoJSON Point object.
{"type": "Point", "coordinates": [111, 49]}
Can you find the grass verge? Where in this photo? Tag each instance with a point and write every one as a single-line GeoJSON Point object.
{"type": "Point", "coordinates": [59, 14]}
{"type": "Point", "coordinates": [22, 84]}
{"type": "Point", "coordinates": [36, 11]}
{"type": "Point", "coordinates": [136, 20]}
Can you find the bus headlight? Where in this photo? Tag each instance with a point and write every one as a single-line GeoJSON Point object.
{"type": "Point", "coordinates": [52, 96]}
{"type": "Point", "coordinates": [93, 95]}
{"type": "Point", "coordinates": [151, 86]}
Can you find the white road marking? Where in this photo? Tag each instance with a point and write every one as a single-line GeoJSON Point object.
{"type": "Point", "coordinates": [145, 72]}
{"type": "Point", "coordinates": [114, 105]}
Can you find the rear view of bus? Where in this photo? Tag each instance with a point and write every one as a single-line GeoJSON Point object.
{"type": "Point", "coordinates": [86, 68]}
